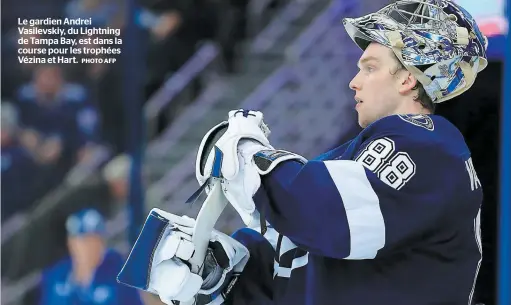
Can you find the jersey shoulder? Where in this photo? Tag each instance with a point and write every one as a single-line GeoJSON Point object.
{"type": "Point", "coordinates": [406, 152]}
{"type": "Point", "coordinates": [425, 131]}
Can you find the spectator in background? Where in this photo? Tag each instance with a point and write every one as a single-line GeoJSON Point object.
{"type": "Point", "coordinates": [232, 29]}
{"type": "Point", "coordinates": [60, 123]}
{"type": "Point", "coordinates": [103, 14]}
{"type": "Point", "coordinates": [105, 192]}
{"type": "Point", "coordinates": [88, 276]}
{"type": "Point", "coordinates": [18, 168]}
{"type": "Point", "coordinates": [173, 35]}
{"type": "Point", "coordinates": [104, 81]}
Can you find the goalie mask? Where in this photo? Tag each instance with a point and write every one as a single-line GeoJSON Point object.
{"type": "Point", "coordinates": [438, 41]}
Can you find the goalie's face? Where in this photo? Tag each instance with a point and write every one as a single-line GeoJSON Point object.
{"type": "Point", "coordinates": [380, 87]}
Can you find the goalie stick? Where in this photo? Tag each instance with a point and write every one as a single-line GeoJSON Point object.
{"type": "Point", "coordinates": [212, 207]}
{"type": "Point", "coordinates": [215, 202]}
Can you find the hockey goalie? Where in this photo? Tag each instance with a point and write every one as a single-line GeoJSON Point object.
{"type": "Point", "coordinates": [389, 218]}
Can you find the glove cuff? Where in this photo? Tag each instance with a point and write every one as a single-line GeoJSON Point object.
{"type": "Point", "coordinates": [229, 254]}
{"type": "Point", "coordinates": [267, 160]}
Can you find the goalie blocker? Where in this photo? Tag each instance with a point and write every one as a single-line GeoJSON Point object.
{"type": "Point", "coordinates": [158, 262]}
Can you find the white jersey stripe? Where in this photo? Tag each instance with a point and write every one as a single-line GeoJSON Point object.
{"type": "Point", "coordinates": [365, 220]}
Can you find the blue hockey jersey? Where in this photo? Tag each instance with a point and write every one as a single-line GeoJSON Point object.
{"type": "Point", "coordinates": [391, 217]}
{"type": "Point", "coordinates": [58, 288]}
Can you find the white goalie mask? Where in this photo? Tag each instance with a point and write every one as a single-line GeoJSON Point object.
{"type": "Point", "coordinates": [438, 41]}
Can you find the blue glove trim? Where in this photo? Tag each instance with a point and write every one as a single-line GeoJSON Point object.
{"type": "Point", "coordinates": [217, 163]}
{"type": "Point", "coordinates": [137, 269]}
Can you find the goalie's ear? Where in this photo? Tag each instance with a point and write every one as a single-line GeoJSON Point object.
{"type": "Point", "coordinates": [208, 144]}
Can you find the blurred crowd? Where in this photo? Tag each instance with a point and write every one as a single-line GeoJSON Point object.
{"type": "Point", "coordinates": [55, 116]}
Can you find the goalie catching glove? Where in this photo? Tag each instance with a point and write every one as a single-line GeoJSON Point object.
{"type": "Point", "coordinates": [158, 261]}
{"type": "Point", "coordinates": [240, 156]}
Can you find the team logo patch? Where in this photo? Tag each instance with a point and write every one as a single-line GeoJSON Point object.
{"type": "Point", "coordinates": [420, 120]}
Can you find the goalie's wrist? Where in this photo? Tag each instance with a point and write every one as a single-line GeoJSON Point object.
{"type": "Point", "coordinates": [213, 273]}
